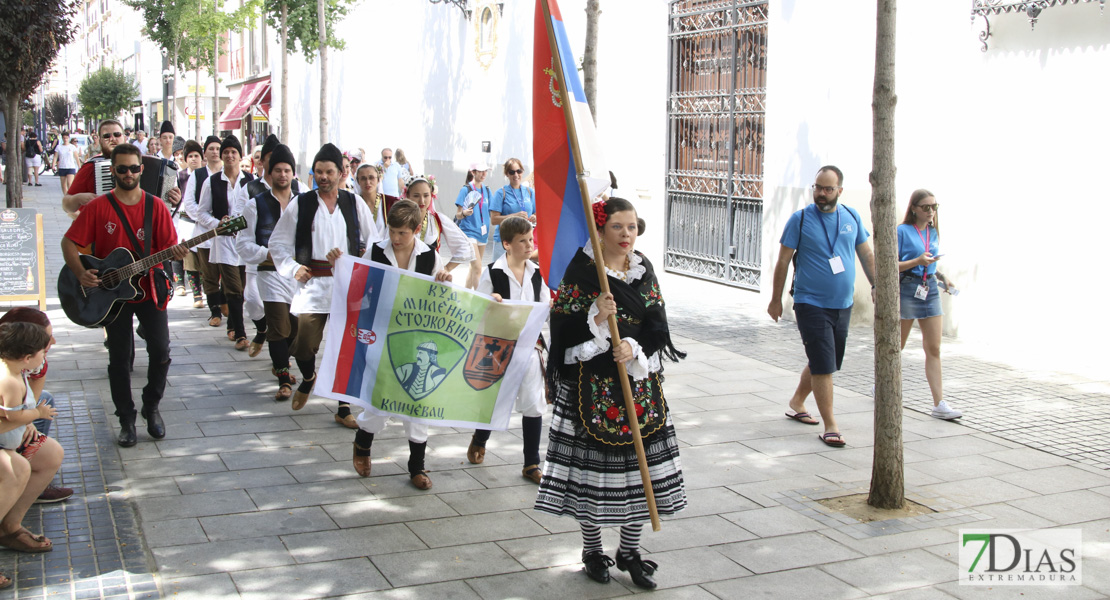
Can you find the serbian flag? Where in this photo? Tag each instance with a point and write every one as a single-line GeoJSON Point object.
{"type": "Point", "coordinates": [560, 216]}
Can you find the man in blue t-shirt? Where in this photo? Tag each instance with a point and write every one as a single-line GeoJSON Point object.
{"type": "Point", "coordinates": [826, 238]}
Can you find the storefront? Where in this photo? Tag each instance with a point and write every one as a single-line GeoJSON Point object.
{"type": "Point", "coordinates": [246, 115]}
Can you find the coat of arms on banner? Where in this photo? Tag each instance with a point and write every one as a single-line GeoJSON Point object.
{"type": "Point", "coordinates": [487, 360]}
{"type": "Point", "coordinates": [422, 360]}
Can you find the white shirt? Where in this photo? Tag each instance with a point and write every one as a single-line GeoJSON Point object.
{"type": "Point", "coordinates": [453, 242]}
{"type": "Point", "coordinates": [67, 156]}
{"type": "Point", "coordinates": [272, 286]}
{"type": "Point", "coordinates": [418, 249]}
{"type": "Point", "coordinates": [381, 230]}
{"type": "Point", "coordinates": [141, 145]}
{"type": "Point", "coordinates": [223, 246]}
{"type": "Point", "coordinates": [517, 290]}
{"type": "Point", "coordinates": [189, 198]}
{"type": "Point", "coordinates": [329, 230]}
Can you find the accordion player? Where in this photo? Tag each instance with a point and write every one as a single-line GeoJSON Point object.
{"type": "Point", "coordinates": [158, 178]}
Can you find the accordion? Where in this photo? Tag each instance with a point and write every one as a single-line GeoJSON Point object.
{"type": "Point", "coordinates": [158, 178]}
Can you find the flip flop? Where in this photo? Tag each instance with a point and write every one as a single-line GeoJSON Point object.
{"type": "Point", "coordinates": [803, 417]}
{"type": "Point", "coordinates": [16, 541]}
{"type": "Point", "coordinates": [836, 441]}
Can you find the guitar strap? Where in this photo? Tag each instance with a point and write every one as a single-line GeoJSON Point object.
{"type": "Point", "coordinates": [159, 286]}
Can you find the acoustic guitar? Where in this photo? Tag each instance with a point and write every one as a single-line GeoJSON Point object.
{"type": "Point", "coordinates": [119, 274]}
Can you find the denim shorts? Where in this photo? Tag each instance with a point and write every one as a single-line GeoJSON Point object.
{"type": "Point", "coordinates": [911, 307]}
{"type": "Point", "coordinates": [67, 172]}
{"type": "Point", "coordinates": [824, 334]}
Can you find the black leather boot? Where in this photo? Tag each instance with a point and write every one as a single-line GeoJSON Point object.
{"type": "Point", "coordinates": [640, 570]}
{"type": "Point", "coordinates": [597, 566]}
{"type": "Point", "coordinates": [154, 425]}
{"type": "Point", "coordinates": [127, 435]}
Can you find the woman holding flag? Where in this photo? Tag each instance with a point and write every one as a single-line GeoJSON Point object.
{"type": "Point", "coordinates": [591, 473]}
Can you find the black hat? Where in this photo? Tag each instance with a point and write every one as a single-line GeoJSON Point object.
{"type": "Point", "coordinates": [280, 154]}
{"type": "Point", "coordinates": [231, 142]}
{"type": "Point", "coordinates": [179, 143]}
{"type": "Point", "coordinates": [211, 140]}
{"type": "Point", "coordinates": [271, 142]}
{"type": "Point", "coordinates": [329, 153]}
{"type": "Point", "coordinates": [167, 127]}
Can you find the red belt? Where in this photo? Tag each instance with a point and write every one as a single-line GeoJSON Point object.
{"type": "Point", "coordinates": [319, 268]}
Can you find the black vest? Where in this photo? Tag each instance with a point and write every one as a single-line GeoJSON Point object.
{"type": "Point", "coordinates": [307, 206]}
{"type": "Point", "coordinates": [425, 261]}
{"type": "Point", "coordinates": [201, 174]}
{"type": "Point", "coordinates": [500, 280]}
{"type": "Point", "coordinates": [269, 211]}
{"type": "Point", "coordinates": [220, 207]}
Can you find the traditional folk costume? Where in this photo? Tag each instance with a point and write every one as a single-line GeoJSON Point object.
{"type": "Point", "coordinates": [377, 212]}
{"type": "Point", "coordinates": [191, 199]}
{"type": "Point", "coordinates": [184, 225]}
{"type": "Point", "coordinates": [442, 235]}
{"type": "Point", "coordinates": [425, 261]}
{"type": "Point", "coordinates": [591, 473]}
{"type": "Point", "coordinates": [303, 236]}
{"type": "Point", "coordinates": [275, 292]}
{"type": "Point", "coordinates": [175, 267]}
{"type": "Point", "coordinates": [220, 197]}
{"type": "Point", "coordinates": [530, 401]}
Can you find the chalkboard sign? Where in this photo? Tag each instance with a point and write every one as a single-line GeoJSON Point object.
{"type": "Point", "coordinates": [22, 269]}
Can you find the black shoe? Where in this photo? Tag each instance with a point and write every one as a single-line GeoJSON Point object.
{"type": "Point", "coordinates": [640, 570]}
{"type": "Point", "coordinates": [154, 425]}
{"type": "Point", "coordinates": [597, 566]}
{"type": "Point", "coordinates": [127, 435]}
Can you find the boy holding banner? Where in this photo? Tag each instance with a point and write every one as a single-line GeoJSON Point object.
{"type": "Point", "coordinates": [404, 251]}
{"type": "Point", "coordinates": [515, 277]}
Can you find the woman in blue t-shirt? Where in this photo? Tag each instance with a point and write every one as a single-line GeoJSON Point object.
{"type": "Point", "coordinates": [918, 253]}
{"type": "Point", "coordinates": [513, 200]}
{"type": "Point", "coordinates": [472, 217]}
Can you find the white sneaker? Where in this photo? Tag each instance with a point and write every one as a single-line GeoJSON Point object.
{"type": "Point", "coordinates": [943, 411]}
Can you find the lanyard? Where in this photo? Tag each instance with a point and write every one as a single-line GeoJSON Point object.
{"type": "Point", "coordinates": [523, 196]}
{"type": "Point", "coordinates": [835, 238]}
{"type": "Point", "coordinates": [925, 239]}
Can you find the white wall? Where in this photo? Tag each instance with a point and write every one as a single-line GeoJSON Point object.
{"type": "Point", "coordinates": [1012, 142]}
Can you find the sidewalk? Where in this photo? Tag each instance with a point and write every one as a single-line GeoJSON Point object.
{"type": "Point", "coordinates": [247, 499]}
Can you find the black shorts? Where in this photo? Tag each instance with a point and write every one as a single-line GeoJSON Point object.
{"type": "Point", "coordinates": [824, 333]}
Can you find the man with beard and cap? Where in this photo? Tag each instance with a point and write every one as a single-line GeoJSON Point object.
{"type": "Point", "coordinates": [118, 220]}
{"type": "Point", "coordinates": [262, 213]}
{"type": "Point", "coordinates": [211, 281]}
{"type": "Point", "coordinates": [824, 285]}
{"type": "Point", "coordinates": [316, 226]}
{"type": "Point", "coordinates": [219, 201]}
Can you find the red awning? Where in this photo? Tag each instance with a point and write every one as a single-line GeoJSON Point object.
{"type": "Point", "coordinates": [248, 96]}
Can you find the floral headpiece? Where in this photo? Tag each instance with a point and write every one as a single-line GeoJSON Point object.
{"type": "Point", "coordinates": [599, 213]}
{"type": "Point", "coordinates": [415, 179]}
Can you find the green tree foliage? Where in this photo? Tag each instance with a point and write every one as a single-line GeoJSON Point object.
{"type": "Point", "coordinates": [31, 33]}
{"type": "Point", "coordinates": [106, 92]}
{"type": "Point", "coordinates": [303, 24]}
{"type": "Point", "coordinates": [57, 110]}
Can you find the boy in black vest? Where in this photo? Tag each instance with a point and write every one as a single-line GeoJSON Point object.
{"type": "Point", "coordinates": [515, 277]}
{"type": "Point", "coordinates": [404, 251]}
{"type": "Point", "coordinates": [190, 200]}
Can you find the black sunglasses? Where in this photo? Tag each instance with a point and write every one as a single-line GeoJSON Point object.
{"type": "Point", "coordinates": [112, 135]}
{"type": "Point", "coordinates": [123, 169]}
{"type": "Point", "coordinates": [516, 171]}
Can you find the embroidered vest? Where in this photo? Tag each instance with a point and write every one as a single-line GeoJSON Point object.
{"type": "Point", "coordinates": [306, 214]}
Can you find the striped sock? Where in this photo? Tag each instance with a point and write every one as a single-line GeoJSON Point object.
{"type": "Point", "coordinates": [591, 538]}
{"type": "Point", "coordinates": [630, 539]}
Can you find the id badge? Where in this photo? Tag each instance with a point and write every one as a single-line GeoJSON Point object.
{"type": "Point", "coordinates": [483, 230]}
{"type": "Point", "coordinates": [836, 264]}
{"type": "Point", "coordinates": [922, 292]}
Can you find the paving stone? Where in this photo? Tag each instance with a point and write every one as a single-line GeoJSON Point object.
{"type": "Point", "coordinates": [234, 480]}
{"type": "Point", "coordinates": [201, 587]}
{"type": "Point", "coordinates": [164, 467]}
{"type": "Point", "coordinates": [1053, 480]}
{"type": "Point", "coordinates": [769, 522]}
{"type": "Point", "coordinates": [314, 580]}
{"type": "Point", "coordinates": [691, 533]}
{"type": "Point", "coordinates": [480, 501]}
{"type": "Point", "coordinates": [350, 543]}
{"type": "Point", "coordinates": [220, 557]}
{"type": "Point", "coordinates": [171, 532]}
{"type": "Point", "coordinates": [786, 552]}
{"type": "Point", "coordinates": [309, 473]}
{"type": "Point", "coordinates": [540, 552]}
{"type": "Point", "coordinates": [389, 485]}
{"type": "Point", "coordinates": [388, 510]}
{"type": "Point", "coordinates": [1066, 508]}
{"type": "Point", "coordinates": [195, 505]}
{"type": "Point", "coordinates": [274, 457]}
{"type": "Point", "coordinates": [209, 445]}
{"type": "Point", "coordinates": [241, 426]}
{"type": "Point", "coordinates": [452, 590]}
{"type": "Point", "coordinates": [985, 490]}
{"type": "Point", "coordinates": [308, 494]}
{"type": "Point", "coordinates": [445, 564]}
{"type": "Point", "coordinates": [690, 566]}
{"type": "Point", "coordinates": [557, 583]}
{"type": "Point", "coordinates": [892, 572]}
{"type": "Point", "coordinates": [795, 583]}
{"type": "Point", "coordinates": [1028, 458]}
{"type": "Point", "coordinates": [922, 593]}
{"type": "Point", "coordinates": [470, 529]}
{"type": "Point", "coordinates": [690, 592]}
{"type": "Point", "coordinates": [267, 523]}
{"type": "Point", "coordinates": [955, 447]}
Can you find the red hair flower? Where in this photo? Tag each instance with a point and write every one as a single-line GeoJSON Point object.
{"type": "Point", "coordinates": [599, 213]}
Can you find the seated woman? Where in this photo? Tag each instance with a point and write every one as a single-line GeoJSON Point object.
{"type": "Point", "coordinates": [28, 459]}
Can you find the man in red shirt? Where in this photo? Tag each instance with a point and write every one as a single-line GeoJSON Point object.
{"type": "Point", "coordinates": [100, 226]}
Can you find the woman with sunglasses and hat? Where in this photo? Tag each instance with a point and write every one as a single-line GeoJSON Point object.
{"type": "Point", "coordinates": [513, 200]}
{"type": "Point", "coordinates": [472, 217]}
{"type": "Point", "coordinates": [918, 253]}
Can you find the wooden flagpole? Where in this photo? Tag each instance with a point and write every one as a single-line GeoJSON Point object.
{"type": "Point", "coordinates": [599, 261]}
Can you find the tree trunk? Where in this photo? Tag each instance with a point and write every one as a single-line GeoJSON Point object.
{"type": "Point", "coordinates": [887, 473]}
{"type": "Point", "coordinates": [589, 56]}
{"type": "Point", "coordinates": [173, 105]}
{"type": "Point", "coordinates": [321, 15]}
{"type": "Point", "coordinates": [284, 129]}
{"type": "Point", "coordinates": [196, 100]}
{"type": "Point", "coordinates": [14, 174]}
{"type": "Point", "coordinates": [215, 85]}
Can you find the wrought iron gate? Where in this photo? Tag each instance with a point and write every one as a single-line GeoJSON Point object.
{"type": "Point", "coordinates": [715, 139]}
